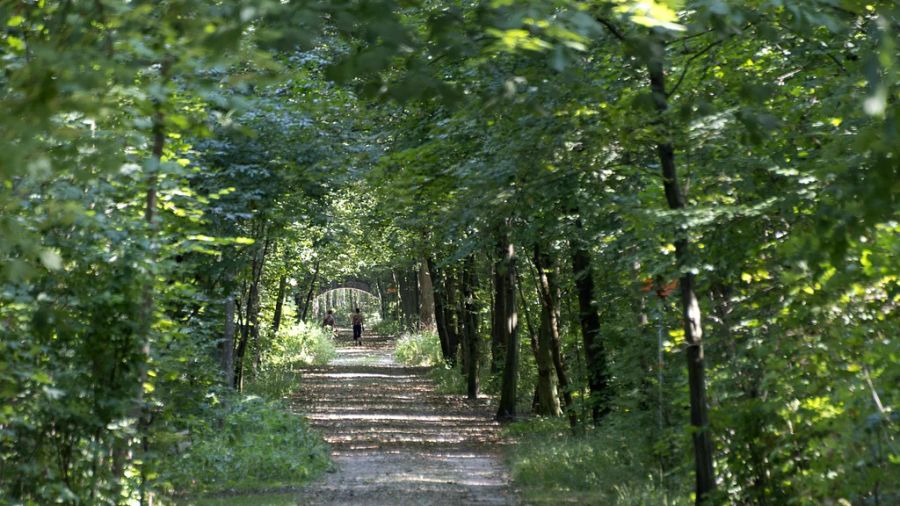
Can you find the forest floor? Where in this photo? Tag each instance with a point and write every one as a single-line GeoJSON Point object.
{"type": "Point", "coordinates": [395, 441]}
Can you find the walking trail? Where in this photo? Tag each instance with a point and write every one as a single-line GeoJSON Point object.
{"type": "Point", "coordinates": [395, 441]}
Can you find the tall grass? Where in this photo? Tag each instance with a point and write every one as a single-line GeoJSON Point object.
{"type": "Point", "coordinates": [387, 328]}
{"type": "Point", "coordinates": [301, 343]}
{"type": "Point", "coordinates": [294, 346]}
{"type": "Point", "coordinates": [421, 349]}
{"type": "Point", "coordinates": [245, 443]}
{"type": "Point", "coordinates": [253, 441]}
{"type": "Point", "coordinates": [606, 465]}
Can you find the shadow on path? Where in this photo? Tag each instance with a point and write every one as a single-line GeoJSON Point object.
{"type": "Point", "coordinates": [395, 441]}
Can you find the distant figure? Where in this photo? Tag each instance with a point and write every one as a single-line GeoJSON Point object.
{"type": "Point", "coordinates": [357, 327]}
{"type": "Point", "coordinates": [329, 320]}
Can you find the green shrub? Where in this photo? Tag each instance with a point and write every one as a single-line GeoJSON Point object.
{"type": "Point", "coordinates": [448, 380]}
{"type": "Point", "coordinates": [422, 349]}
{"type": "Point", "coordinates": [599, 466]}
{"type": "Point", "coordinates": [387, 328]}
{"type": "Point", "coordinates": [300, 344]}
{"type": "Point", "coordinates": [452, 380]}
{"type": "Point", "coordinates": [245, 444]}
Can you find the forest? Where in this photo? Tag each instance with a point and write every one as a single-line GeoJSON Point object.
{"type": "Point", "coordinates": [657, 238]}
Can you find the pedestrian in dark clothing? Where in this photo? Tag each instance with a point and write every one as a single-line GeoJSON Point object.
{"type": "Point", "coordinates": [329, 320]}
{"type": "Point", "coordinates": [357, 327]}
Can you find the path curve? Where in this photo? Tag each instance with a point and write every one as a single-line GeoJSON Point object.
{"type": "Point", "coordinates": [395, 441]}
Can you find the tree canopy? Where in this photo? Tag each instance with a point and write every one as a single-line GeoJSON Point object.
{"type": "Point", "coordinates": [579, 197]}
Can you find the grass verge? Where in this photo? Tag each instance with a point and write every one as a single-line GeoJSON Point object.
{"type": "Point", "coordinates": [292, 347]}
{"type": "Point", "coordinates": [551, 465]}
{"type": "Point", "coordinates": [252, 442]}
{"type": "Point", "coordinates": [247, 444]}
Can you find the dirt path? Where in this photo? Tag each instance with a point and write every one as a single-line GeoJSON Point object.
{"type": "Point", "coordinates": [394, 439]}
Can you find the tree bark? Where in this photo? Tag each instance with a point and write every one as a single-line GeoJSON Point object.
{"type": "Point", "coordinates": [427, 310]}
{"type": "Point", "coordinates": [413, 302]}
{"type": "Point", "coordinates": [298, 304]}
{"type": "Point", "coordinates": [690, 308]}
{"type": "Point", "coordinates": [452, 316]}
{"type": "Point", "coordinates": [548, 396]}
{"type": "Point", "coordinates": [141, 411]}
{"type": "Point", "coordinates": [506, 410]}
{"type": "Point", "coordinates": [239, 358]}
{"type": "Point", "coordinates": [409, 305]}
{"type": "Point", "coordinates": [242, 342]}
{"type": "Point", "coordinates": [279, 303]}
{"type": "Point", "coordinates": [382, 297]}
{"type": "Point", "coordinates": [228, 343]}
{"type": "Point", "coordinates": [253, 305]}
{"type": "Point", "coordinates": [595, 355]}
{"type": "Point", "coordinates": [536, 405]}
{"type": "Point", "coordinates": [470, 325]}
{"type": "Point", "coordinates": [552, 299]}
{"type": "Point", "coordinates": [309, 294]}
{"type": "Point", "coordinates": [440, 303]}
{"type": "Point", "coordinates": [498, 309]}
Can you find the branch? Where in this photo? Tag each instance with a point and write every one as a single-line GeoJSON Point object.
{"type": "Point", "coordinates": [689, 37]}
{"type": "Point", "coordinates": [612, 28]}
{"type": "Point", "coordinates": [687, 65]}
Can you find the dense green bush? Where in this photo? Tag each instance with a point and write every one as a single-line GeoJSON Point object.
{"type": "Point", "coordinates": [419, 349]}
{"type": "Point", "coordinates": [243, 444]}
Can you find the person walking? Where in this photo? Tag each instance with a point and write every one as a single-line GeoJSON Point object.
{"type": "Point", "coordinates": [329, 321]}
{"type": "Point", "coordinates": [357, 327]}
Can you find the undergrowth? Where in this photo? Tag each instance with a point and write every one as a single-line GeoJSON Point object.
{"type": "Point", "coordinates": [387, 328]}
{"type": "Point", "coordinates": [253, 442]}
{"type": "Point", "coordinates": [245, 444]}
{"type": "Point", "coordinates": [451, 380]}
{"type": "Point", "coordinates": [299, 344]}
{"type": "Point", "coordinates": [551, 464]}
{"type": "Point", "coordinates": [421, 349]}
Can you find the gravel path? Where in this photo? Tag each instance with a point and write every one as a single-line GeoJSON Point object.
{"type": "Point", "coordinates": [396, 441]}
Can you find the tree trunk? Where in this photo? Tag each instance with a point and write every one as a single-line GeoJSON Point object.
{"type": "Point", "coordinates": [242, 342]}
{"type": "Point", "coordinates": [140, 411]}
{"type": "Point", "coordinates": [253, 306]}
{"type": "Point", "coordinates": [440, 303]}
{"type": "Point", "coordinates": [508, 388]}
{"type": "Point", "coordinates": [690, 308]}
{"type": "Point", "coordinates": [309, 294]}
{"type": "Point", "coordinates": [563, 377]}
{"type": "Point", "coordinates": [427, 310]}
{"type": "Point", "coordinates": [548, 397]}
{"type": "Point", "coordinates": [470, 325]}
{"type": "Point", "coordinates": [228, 343]}
{"type": "Point", "coordinates": [382, 298]}
{"type": "Point", "coordinates": [452, 316]}
{"type": "Point", "coordinates": [536, 404]}
{"type": "Point", "coordinates": [498, 309]}
{"type": "Point", "coordinates": [559, 365]}
{"type": "Point", "coordinates": [398, 307]}
{"type": "Point", "coordinates": [279, 304]}
{"type": "Point", "coordinates": [409, 305]}
{"type": "Point", "coordinates": [298, 304]}
{"type": "Point", "coordinates": [595, 355]}
{"type": "Point", "coordinates": [412, 308]}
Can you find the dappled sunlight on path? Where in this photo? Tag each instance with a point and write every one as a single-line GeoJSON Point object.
{"type": "Point", "coordinates": [396, 441]}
